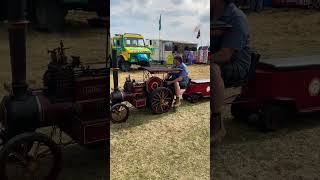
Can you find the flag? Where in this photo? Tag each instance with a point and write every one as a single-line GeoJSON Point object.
{"type": "Point", "coordinates": [198, 34]}
{"type": "Point", "coordinates": [160, 23]}
{"type": "Point", "coordinates": [196, 28]}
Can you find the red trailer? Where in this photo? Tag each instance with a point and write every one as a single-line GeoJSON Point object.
{"type": "Point", "coordinates": [197, 90]}
{"type": "Point", "coordinates": [281, 88]}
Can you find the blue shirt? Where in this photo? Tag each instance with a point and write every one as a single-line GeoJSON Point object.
{"type": "Point", "coordinates": [238, 38]}
{"type": "Point", "coordinates": [184, 73]}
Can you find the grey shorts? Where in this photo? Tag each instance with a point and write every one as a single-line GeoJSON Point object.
{"type": "Point", "coordinates": [184, 83]}
{"type": "Point", "coordinates": [232, 73]}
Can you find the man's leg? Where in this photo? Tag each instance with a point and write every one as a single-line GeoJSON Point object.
{"type": "Point", "coordinates": [218, 101]}
{"type": "Point", "coordinates": [177, 91]}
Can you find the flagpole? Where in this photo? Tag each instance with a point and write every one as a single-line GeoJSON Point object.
{"type": "Point", "coordinates": [159, 37]}
{"type": "Point", "coordinates": [159, 45]}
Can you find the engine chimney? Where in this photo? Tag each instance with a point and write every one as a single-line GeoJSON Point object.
{"type": "Point", "coordinates": [115, 70]}
{"type": "Point", "coordinates": [21, 109]}
{"type": "Point", "coordinates": [17, 40]}
{"type": "Point", "coordinates": [116, 95]}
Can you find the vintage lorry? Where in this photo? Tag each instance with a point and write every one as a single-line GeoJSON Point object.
{"type": "Point", "coordinates": [131, 49]}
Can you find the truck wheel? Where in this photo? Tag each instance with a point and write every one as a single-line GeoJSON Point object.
{"type": "Point", "coordinates": [49, 15]}
{"type": "Point", "coordinates": [275, 116]}
{"type": "Point", "coordinates": [238, 112]}
{"type": "Point", "coordinates": [124, 65]}
{"type": "Point", "coordinates": [146, 64]}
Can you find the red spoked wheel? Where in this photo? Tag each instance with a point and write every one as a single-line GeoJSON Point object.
{"type": "Point", "coordinates": [161, 100]}
{"type": "Point", "coordinates": [153, 83]}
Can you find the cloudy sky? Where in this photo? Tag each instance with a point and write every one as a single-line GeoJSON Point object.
{"type": "Point", "coordinates": [179, 18]}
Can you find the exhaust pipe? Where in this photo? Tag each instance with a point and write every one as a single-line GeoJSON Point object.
{"type": "Point", "coordinates": [21, 108]}
{"type": "Point", "coordinates": [115, 70]}
{"type": "Point", "coordinates": [17, 40]}
{"type": "Point", "coordinates": [116, 95]}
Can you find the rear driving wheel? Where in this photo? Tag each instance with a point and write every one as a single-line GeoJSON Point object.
{"type": "Point", "coordinates": [161, 100]}
{"type": "Point", "coordinates": [119, 113]}
{"type": "Point", "coordinates": [19, 160]}
{"type": "Point", "coordinates": [275, 116]}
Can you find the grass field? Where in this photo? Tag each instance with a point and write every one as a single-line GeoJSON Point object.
{"type": "Point", "coordinates": [169, 146]}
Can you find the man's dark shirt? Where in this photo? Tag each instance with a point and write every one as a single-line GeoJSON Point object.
{"type": "Point", "coordinates": [237, 38]}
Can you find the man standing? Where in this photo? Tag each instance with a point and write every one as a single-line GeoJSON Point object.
{"type": "Point", "coordinates": [180, 80]}
{"type": "Point", "coordinates": [230, 61]}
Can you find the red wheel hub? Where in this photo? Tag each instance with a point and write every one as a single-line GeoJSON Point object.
{"type": "Point", "coordinates": [153, 83]}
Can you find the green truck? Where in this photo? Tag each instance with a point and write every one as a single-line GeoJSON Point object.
{"type": "Point", "coordinates": [50, 14]}
{"type": "Point", "coordinates": [131, 49]}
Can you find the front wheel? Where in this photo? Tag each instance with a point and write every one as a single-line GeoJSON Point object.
{"type": "Point", "coordinates": [119, 113]}
{"type": "Point", "coordinates": [30, 156]}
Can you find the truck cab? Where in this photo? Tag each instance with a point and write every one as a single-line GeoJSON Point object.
{"type": "Point", "coordinates": [131, 49]}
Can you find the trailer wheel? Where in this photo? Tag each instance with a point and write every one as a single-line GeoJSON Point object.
{"type": "Point", "coordinates": [195, 98]}
{"type": "Point", "coordinates": [161, 100]}
{"type": "Point", "coordinates": [48, 15]}
{"type": "Point", "coordinates": [275, 116]}
{"type": "Point", "coordinates": [42, 161]}
{"type": "Point", "coordinates": [185, 97]}
{"type": "Point", "coordinates": [238, 112]}
{"type": "Point", "coordinates": [119, 113]}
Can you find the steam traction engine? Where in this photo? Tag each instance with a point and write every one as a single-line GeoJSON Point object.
{"type": "Point", "coordinates": [73, 99]}
{"type": "Point", "coordinates": [153, 92]}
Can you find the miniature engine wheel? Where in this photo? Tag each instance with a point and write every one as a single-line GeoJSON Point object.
{"type": "Point", "coordinates": [161, 100]}
{"type": "Point", "coordinates": [153, 83]}
{"type": "Point", "coordinates": [238, 112]}
{"type": "Point", "coordinates": [41, 161]}
{"type": "Point", "coordinates": [119, 113]}
{"type": "Point", "coordinates": [275, 116]}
